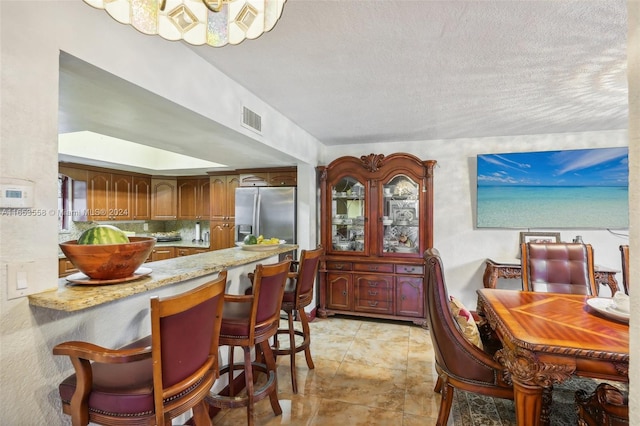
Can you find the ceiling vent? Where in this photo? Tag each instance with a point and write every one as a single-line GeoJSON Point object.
{"type": "Point", "coordinates": [251, 120]}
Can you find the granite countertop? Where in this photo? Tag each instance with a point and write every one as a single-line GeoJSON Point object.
{"type": "Point", "coordinates": [73, 297]}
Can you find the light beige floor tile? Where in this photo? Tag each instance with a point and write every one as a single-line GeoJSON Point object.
{"type": "Point", "coordinates": [367, 372]}
{"type": "Point", "coordinates": [367, 385]}
{"type": "Point", "coordinates": [386, 331]}
{"type": "Point", "coordinates": [310, 382]}
{"type": "Point", "coordinates": [378, 353]}
{"type": "Point", "coordinates": [296, 410]}
{"type": "Point", "coordinates": [339, 413]}
{"type": "Point", "coordinates": [330, 346]}
{"type": "Point", "coordinates": [335, 325]}
{"type": "Point", "coordinates": [420, 399]}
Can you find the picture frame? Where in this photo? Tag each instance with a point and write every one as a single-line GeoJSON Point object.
{"type": "Point", "coordinates": [539, 237]}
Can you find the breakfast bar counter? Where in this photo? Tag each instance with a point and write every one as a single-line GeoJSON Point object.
{"type": "Point", "coordinates": [71, 297]}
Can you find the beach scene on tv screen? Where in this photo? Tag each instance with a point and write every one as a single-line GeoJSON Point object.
{"type": "Point", "coordinates": [584, 188]}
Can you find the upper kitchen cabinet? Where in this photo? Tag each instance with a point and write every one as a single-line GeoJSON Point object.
{"type": "Point", "coordinates": [223, 204]}
{"type": "Point", "coordinates": [283, 178]}
{"type": "Point", "coordinates": [141, 198]}
{"type": "Point", "coordinates": [194, 198]}
{"type": "Point", "coordinates": [164, 199]}
{"type": "Point", "coordinates": [109, 196]}
{"type": "Point", "coordinates": [286, 176]}
{"type": "Point", "coordinates": [376, 221]}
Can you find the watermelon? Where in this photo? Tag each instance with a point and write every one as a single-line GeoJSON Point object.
{"type": "Point", "coordinates": [250, 240]}
{"type": "Point", "coordinates": [103, 234]}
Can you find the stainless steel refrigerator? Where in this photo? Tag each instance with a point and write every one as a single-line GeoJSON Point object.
{"type": "Point", "coordinates": [267, 211]}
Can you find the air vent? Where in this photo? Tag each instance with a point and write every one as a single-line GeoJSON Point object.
{"type": "Point", "coordinates": [251, 120]}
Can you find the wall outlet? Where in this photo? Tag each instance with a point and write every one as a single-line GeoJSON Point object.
{"type": "Point", "coordinates": [145, 226]}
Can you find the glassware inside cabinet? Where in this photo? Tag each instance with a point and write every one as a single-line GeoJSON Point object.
{"type": "Point", "coordinates": [401, 215]}
{"type": "Point", "coordinates": [348, 215]}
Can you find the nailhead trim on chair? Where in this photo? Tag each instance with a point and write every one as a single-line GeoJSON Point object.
{"type": "Point", "coordinates": [144, 413]}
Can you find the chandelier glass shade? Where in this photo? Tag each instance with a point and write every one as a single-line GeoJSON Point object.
{"type": "Point", "coordinates": [213, 22]}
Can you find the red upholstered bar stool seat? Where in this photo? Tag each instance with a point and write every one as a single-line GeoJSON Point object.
{"type": "Point", "coordinates": [250, 321]}
{"type": "Point", "coordinates": [298, 294]}
{"type": "Point", "coordinates": [157, 378]}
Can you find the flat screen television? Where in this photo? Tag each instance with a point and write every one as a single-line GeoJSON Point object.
{"type": "Point", "coordinates": [583, 188]}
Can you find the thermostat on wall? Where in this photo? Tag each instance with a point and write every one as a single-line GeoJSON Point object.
{"type": "Point", "coordinates": [16, 193]}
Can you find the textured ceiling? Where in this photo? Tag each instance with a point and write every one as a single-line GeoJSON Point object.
{"type": "Point", "coordinates": [371, 71]}
{"type": "Point", "coordinates": [358, 71]}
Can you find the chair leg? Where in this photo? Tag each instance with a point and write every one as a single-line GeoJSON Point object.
{"type": "Point", "coordinates": [438, 387]}
{"type": "Point", "coordinates": [248, 379]}
{"type": "Point", "coordinates": [201, 414]}
{"type": "Point", "coordinates": [306, 333]}
{"type": "Point", "coordinates": [292, 352]}
{"type": "Point", "coordinates": [231, 370]}
{"type": "Point", "coordinates": [271, 367]}
{"type": "Point", "coordinates": [445, 404]}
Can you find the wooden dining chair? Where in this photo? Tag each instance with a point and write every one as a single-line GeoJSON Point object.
{"type": "Point", "coordinates": [558, 268]}
{"type": "Point", "coordinates": [159, 377]}
{"type": "Point", "coordinates": [459, 363]}
{"type": "Point", "coordinates": [624, 254]}
{"type": "Point", "coordinates": [250, 321]}
{"type": "Point", "coordinates": [606, 406]}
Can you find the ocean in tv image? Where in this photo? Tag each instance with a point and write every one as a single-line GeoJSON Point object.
{"type": "Point", "coordinates": [584, 188]}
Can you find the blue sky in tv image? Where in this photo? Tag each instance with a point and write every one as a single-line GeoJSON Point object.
{"type": "Point", "coordinates": [585, 188]}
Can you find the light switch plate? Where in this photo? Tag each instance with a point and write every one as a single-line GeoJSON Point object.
{"type": "Point", "coordinates": [20, 276]}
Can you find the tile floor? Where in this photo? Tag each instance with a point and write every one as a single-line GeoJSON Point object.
{"type": "Point", "coordinates": [367, 372]}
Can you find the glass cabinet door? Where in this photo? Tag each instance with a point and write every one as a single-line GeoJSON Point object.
{"type": "Point", "coordinates": [400, 215]}
{"type": "Point", "coordinates": [348, 215]}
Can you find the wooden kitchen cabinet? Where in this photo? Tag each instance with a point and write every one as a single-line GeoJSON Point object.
{"type": "Point", "coordinates": [141, 198]}
{"type": "Point", "coordinates": [164, 199]}
{"type": "Point", "coordinates": [223, 205]}
{"type": "Point", "coordinates": [109, 196]}
{"type": "Point", "coordinates": [283, 178]}
{"type": "Point", "coordinates": [188, 251]}
{"type": "Point", "coordinates": [194, 198]}
{"type": "Point", "coordinates": [65, 267]}
{"type": "Point", "coordinates": [162, 253]}
{"type": "Point", "coordinates": [376, 221]}
{"type": "Point", "coordinates": [254, 179]}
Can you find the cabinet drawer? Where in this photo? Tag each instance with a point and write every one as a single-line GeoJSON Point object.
{"type": "Point", "coordinates": [410, 269]}
{"type": "Point", "coordinates": [374, 293]}
{"type": "Point", "coordinates": [339, 266]}
{"type": "Point", "coordinates": [373, 267]}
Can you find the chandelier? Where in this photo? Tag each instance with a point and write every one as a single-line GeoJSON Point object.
{"type": "Point", "coordinates": [198, 22]}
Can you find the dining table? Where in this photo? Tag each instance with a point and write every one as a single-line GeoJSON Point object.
{"type": "Point", "coordinates": [548, 338]}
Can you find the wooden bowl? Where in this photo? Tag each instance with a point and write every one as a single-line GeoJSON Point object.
{"type": "Point", "coordinates": [109, 261]}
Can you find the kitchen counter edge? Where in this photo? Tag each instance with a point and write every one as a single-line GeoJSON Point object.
{"type": "Point", "coordinates": [74, 297]}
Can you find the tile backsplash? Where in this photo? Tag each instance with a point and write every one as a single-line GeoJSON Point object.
{"type": "Point", "coordinates": [186, 228]}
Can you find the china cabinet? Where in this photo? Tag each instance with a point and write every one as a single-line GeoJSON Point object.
{"type": "Point", "coordinates": [376, 221]}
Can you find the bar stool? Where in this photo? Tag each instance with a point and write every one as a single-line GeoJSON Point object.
{"type": "Point", "coordinates": [298, 294]}
{"type": "Point", "coordinates": [250, 321]}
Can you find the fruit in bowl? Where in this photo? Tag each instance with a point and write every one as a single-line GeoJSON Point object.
{"type": "Point", "coordinates": [102, 254]}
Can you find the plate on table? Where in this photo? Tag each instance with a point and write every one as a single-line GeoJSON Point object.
{"type": "Point", "coordinates": [80, 278]}
{"type": "Point", "coordinates": [604, 305]}
{"type": "Point", "coordinates": [260, 247]}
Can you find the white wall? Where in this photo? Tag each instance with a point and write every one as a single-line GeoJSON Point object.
{"type": "Point", "coordinates": [463, 247]}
